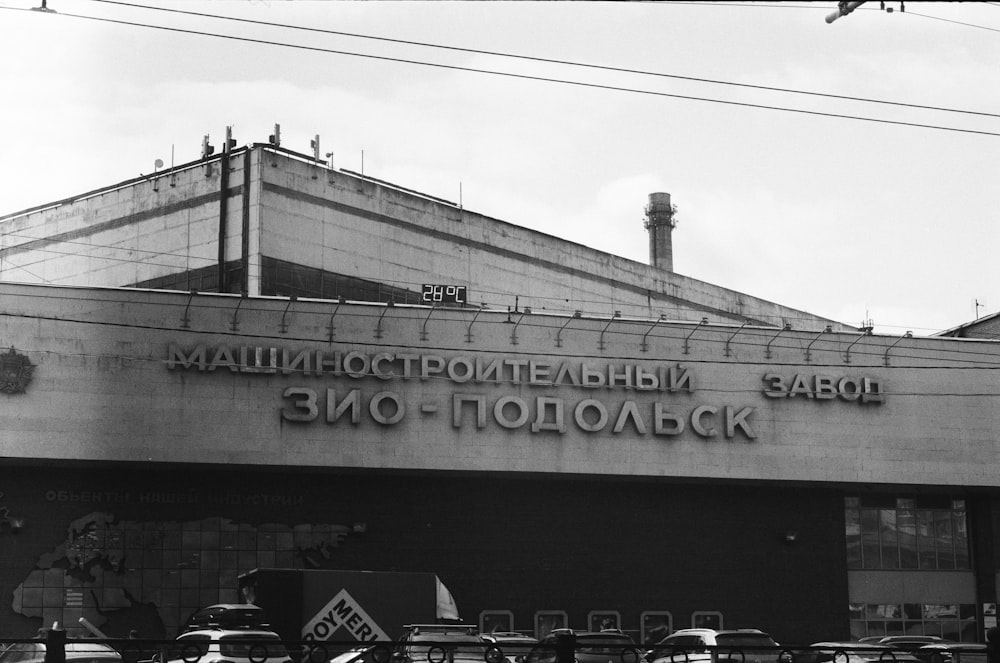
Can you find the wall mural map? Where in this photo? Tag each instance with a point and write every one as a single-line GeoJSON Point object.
{"type": "Point", "coordinates": [105, 566]}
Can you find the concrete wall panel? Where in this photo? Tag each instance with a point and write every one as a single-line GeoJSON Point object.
{"type": "Point", "coordinates": [101, 365]}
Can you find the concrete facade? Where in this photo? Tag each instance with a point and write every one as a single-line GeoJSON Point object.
{"type": "Point", "coordinates": [701, 401]}
{"type": "Point", "coordinates": [293, 210]}
{"type": "Point", "coordinates": [585, 435]}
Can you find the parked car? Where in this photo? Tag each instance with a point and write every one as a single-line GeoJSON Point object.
{"type": "Point", "coordinates": [610, 646]}
{"type": "Point", "coordinates": [952, 652]}
{"type": "Point", "coordinates": [220, 645]}
{"type": "Point", "coordinates": [910, 642]}
{"type": "Point", "coordinates": [857, 652]}
{"type": "Point", "coordinates": [227, 615]}
{"type": "Point", "coordinates": [76, 652]}
{"type": "Point", "coordinates": [515, 646]}
{"type": "Point", "coordinates": [737, 645]}
{"type": "Point", "coordinates": [444, 643]}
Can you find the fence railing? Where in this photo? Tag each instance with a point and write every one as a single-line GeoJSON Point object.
{"type": "Point", "coordinates": [53, 646]}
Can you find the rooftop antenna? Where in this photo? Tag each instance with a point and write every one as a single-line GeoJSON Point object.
{"type": "Point", "coordinates": [43, 8]}
{"type": "Point", "coordinates": [314, 144]}
{"type": "Point", "coordinates": [978, 306]}
{"type": "Point", "coordinates": [867, 325]}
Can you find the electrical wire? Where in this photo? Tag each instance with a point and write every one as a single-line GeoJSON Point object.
{"type": "Point", "coordinates": [548, 60]}
{"type": "Point", "coordinates": [494, 299]}
{"type": "Point", "coordinates": [542, 79]}
{"type": "Point", "coordinates": [959, 354]}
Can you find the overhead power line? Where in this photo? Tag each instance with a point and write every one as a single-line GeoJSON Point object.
{"type": "Point", "coordinates": [544, 79]}
{"type": "Point", "coordinates": [530, 58]}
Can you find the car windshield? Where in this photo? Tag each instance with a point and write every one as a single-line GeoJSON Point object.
{"type": "Point", "coordinates": [603, 643]}
{"type": "Point", "coordinates": [744, 640]}
{"type": "Point", "coordinates": [23, 651]}
{"type": "Point", "coordinates": [246, 645]}
{"type": "Point", "coordinates": [76, 651]}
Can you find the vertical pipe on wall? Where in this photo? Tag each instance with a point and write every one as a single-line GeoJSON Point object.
{"type": "Point", "coordinates": [245, 231]}
{"type": "Point", "coordinates": [223, 211]}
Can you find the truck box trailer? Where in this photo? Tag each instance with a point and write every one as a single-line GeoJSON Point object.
{"type": "Point", "coordinates": [346, 606]}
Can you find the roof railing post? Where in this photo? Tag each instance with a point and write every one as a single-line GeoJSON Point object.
{"type": "Point", "coordinates": [767, 350]}
{"type": "Point", "coordinates": [614, 316]}
{"type": "Point", "coordinates": [330, 329]}
{"type": "Point", "coordinates": [423, 329]}
{"type": "Point", "coordinates": [468, 330]}
{"type": "Point", "coordinates": [234, 324]}
{"type": "Point", "coordinates": [644, 346]}
{"type": "Point", "coordinates": [847, 353]}
{"type": "Point", "coordinates": [378, 328]}
{"type": "Point", "coordinates": [828, 330]}
{"type": "Point", "coordinates": [704, 321]}
{"type": "Point", "coordinates": [576, 316]}
{"type": "Point", "coordinates": [283, 328]}
{"type": "Point", "coordinates": [727, 352]}
{"type": "Point", "coordinates": [908, 334]}
{"type": "Point", "coordinates": [186, 320]}
{"type": "Point", "coordinates": [513, 332]}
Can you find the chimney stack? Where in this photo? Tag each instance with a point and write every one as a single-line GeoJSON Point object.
{"type": "Point", "coordinates": [660, 222]}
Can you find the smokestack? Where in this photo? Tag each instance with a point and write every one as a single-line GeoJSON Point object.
{"type": "Point", "coordinates": [660, 222]}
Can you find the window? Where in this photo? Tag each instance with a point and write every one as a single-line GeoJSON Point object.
{"type": "Point", "coordinates": [945, 620]}
{"type": "Point", "coordinates": [546, 620]}
{"type": "Point", "coordinates": [706, 619]}
{"type": "Point", "coordinates": [600, 620]}
{"type": "Point", "coordinates": [496, 620]}
{"type": "Point", "coordinates": [655, 626]}
{"type": "Point", "coordinates": [907, 533]}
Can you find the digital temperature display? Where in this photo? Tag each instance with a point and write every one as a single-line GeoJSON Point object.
{"type": "Point", "coordinates": [444, 294]}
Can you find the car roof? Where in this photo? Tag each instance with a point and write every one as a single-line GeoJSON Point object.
{"type": "Point", "coordinates": [954, 645]}
{"type": "Point", "coordinates": [229, 632]}
{"type": "Point", "coordinates": [442, 628]}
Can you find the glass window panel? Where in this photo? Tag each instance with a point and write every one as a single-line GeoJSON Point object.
{"type": "Point", "coordinates": [913, 611]}
{"type": "Point", "coordinates": [906, 525]}
{"type": "Point", "coordinates": [498, 620]}
{"type": "Point", "coordinates": [858, 629]}
{"type": "Point", "coordinates": [905, 503]}
{"type": "Point", "coordinates": [852, 502]}
{"type": "Point", "coordinates": [656, 626]}
{"type": "Point", "coordinates": [925, 540]}
{"type": "Point", "coordinates": [706, 619]}
{"type": "Point", "coordinates": [852, 521]}
{"type": "Point", "coordinates": [894, 628]}
{"type": "Point", "coordinates": [891, 610]}
{"type": "Point", "coordinates": [944, 541]}
{"type": "Point", "coordinates": [952, 630]}
{"type": "Point", "coordinates": [871, 557]}
{"type": "Point", "coordinates": [888, 538]}
{"type": "Point", "coordinates": [961, 536]}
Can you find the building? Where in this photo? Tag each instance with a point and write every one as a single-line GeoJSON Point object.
{"type": "Point", "coordinates": [256, 361]}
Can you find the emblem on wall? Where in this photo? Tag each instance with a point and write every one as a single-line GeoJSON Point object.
{"type": "Point", "coordinates": [15, 372]}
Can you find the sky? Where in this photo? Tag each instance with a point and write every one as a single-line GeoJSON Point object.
{"type": "Point", "coordinates": [563, 117]}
